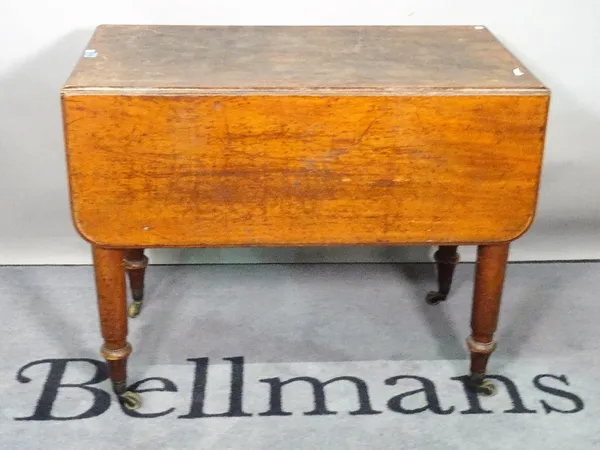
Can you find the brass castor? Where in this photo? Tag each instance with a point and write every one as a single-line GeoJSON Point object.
{"type": "Point", "coordinates": [487, 388]}
{"type": "Point", "coordinates": [484, 387]}
{"type": "Point", "coordinates": [435, 297]}
{"type": "Point", "coordinates": [135, 308]}
{"type": "Point", "coordinates": [131, 400]}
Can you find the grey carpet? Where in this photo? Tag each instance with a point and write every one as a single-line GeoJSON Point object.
{"type": "Point", "coordinates": [368, 322]}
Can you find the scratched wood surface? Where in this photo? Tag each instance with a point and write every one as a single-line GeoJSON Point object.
{"type": "Point", "coordinates": [151, 171]}
{"type": "Point", "coordinates": [213, 60]}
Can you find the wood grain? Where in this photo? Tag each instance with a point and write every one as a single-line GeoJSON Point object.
{"type": "Point", "coordinates": [184, 136]}
{"type": "Point", "coordinates": [112, 302]}
{"type": "Point", "coordinates": [242, 60]}
{"type": "Point", "coordinates": [446, 258]}
{"type": "Point", "coordinates": [195, 171]}
{"type": "Point", "coordinates": [489, 281]}
{"type": "Point", "coordinates": [135, 266]}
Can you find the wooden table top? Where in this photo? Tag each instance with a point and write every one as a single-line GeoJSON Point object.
{"type": "Point", "coordinates": [377, 60]}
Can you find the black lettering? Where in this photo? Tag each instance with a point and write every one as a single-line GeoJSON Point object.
{"type": "Point", "coordinates": [577, 401]}
{"type": "Point", "coordinates": [43, 410]}
{"type": "Point", "coordinates": [320, 409]}
{"type": "Point", "coordinates": [472, 397]}
{"type": "Point", "coordinates": [515, 397]}
{"type": "Point", "coordinates": [431, 397]}
{"type": "Point", "coordinates": [167, 386]}
{"type": "Point", "coordinates": [199, 390]}
{"type": "Point", "coordinates": [475, 404]}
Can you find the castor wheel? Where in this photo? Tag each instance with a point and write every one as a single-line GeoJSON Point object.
{"type": "Point", "coordinates": [435, 297]}
{"type": "Point", "coordinates": [134, 309]}
{"type": "Point", "coordinates": [131, 400]}
{"type": "Point", "coordinates": [486, 388]}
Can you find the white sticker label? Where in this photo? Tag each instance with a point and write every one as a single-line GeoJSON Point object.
{"type": "Point", "coordinates": [90, 53]}
{"type": "Point", "coordinates": [518, 72]}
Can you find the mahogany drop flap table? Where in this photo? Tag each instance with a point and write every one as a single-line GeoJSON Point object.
{"type": "Point", "coordinates": [194, 136]}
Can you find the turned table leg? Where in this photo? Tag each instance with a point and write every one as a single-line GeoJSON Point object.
{"type": "Point", "coordinates": [112, 306]}
{"type": "Point", "coordinates": [489, 279]}
{"type": "Point", "coordinates": [446, 258]}
{"type": "Point", "coordinates": [135, 265]}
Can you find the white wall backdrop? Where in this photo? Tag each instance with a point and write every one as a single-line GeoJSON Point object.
{"type": "Point", "coordinates": [40, 41]}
